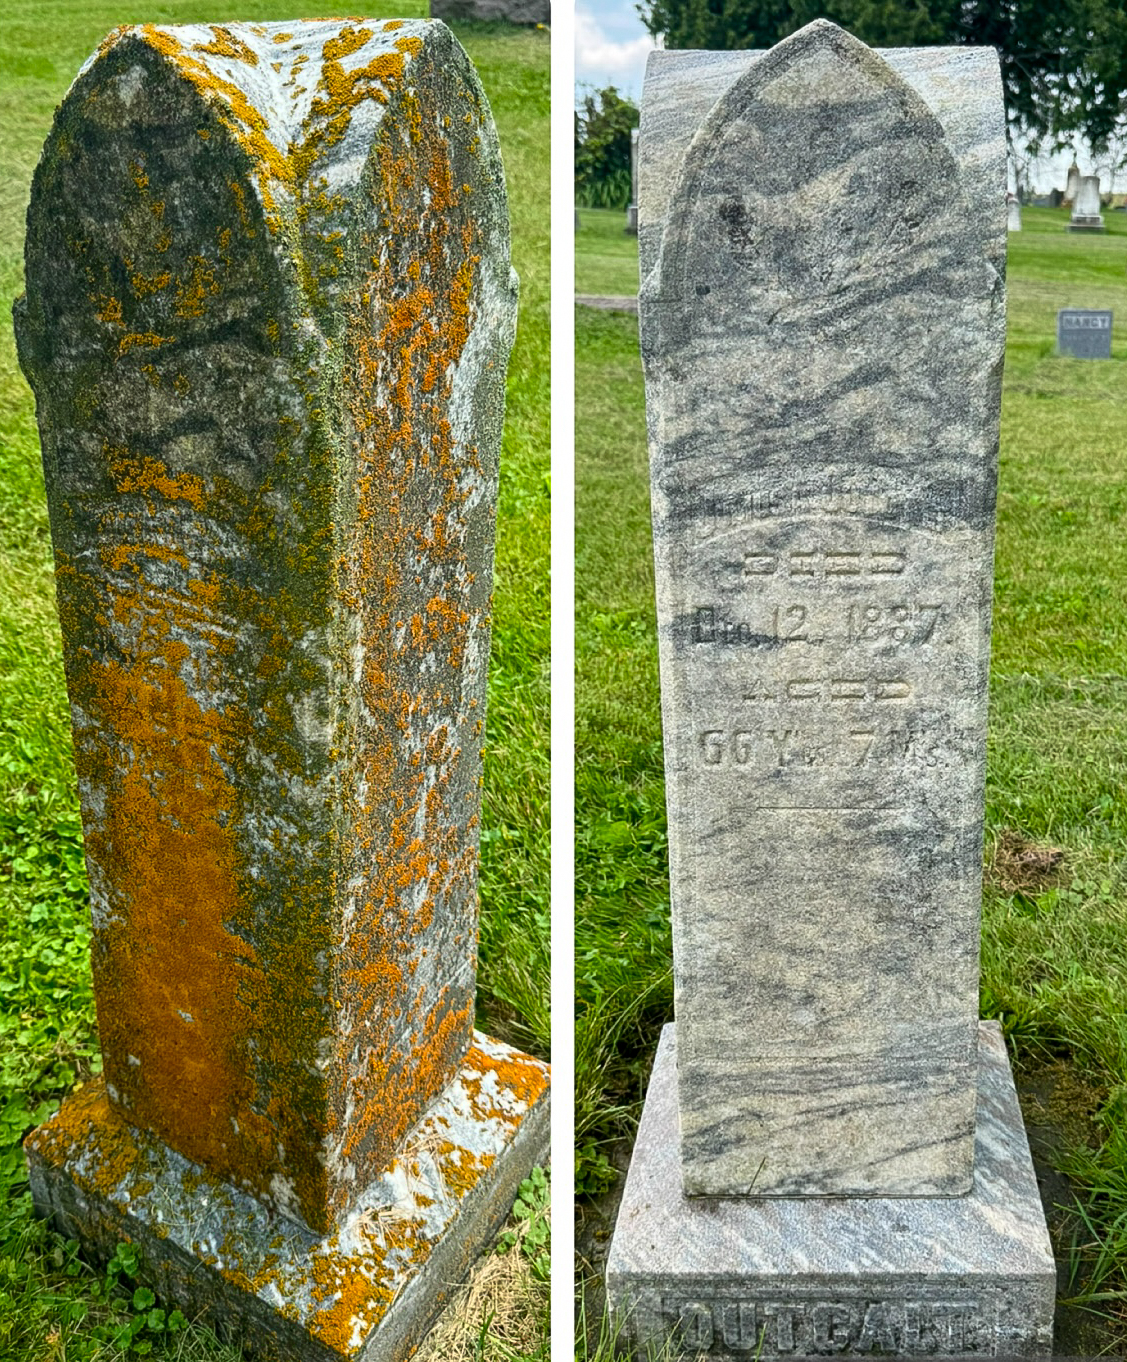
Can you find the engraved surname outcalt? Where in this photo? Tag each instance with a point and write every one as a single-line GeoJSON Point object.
{"type": "Point", "coordinates": [833, 1326]}
{"type": "Point", "coordinates": [877, 1329]}
{"type": "Point", "coordinates": [785, 1315]}
{"type": "Point", "coordinates": [738, 1327]}
{"type": "Point", "coordinates": [695, 1319]}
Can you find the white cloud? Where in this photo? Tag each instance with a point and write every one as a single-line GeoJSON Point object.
{"type": "Point", "coordinates": [604, 60]}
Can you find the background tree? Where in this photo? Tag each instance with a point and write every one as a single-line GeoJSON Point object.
{"type": "Point", "coordinates": [602, 149]}
{"type": "Point", "coordinates": [1064, 62]}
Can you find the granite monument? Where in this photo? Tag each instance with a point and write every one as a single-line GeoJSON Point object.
{"type": "Point", "coordinates": [831, 1156]}
{"type": "Point", "coordinates": [268, 315]}
{"type": "Point", "coordinates": [1086, 215]}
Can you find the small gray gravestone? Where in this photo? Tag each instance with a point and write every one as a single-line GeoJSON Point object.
{"type": "Point", "coordinates": [632, 207]}
{"type": "Point", "coordinates": [1084, 333]}
{"type": "Point", "coordinates": [831, 1156]}
{"type": "Point", "coordinates": [268, 316]}
{"type": "Point", "coordinates": [1013, 213]}
{"type": "Point", "coordinates": [1086, 215]}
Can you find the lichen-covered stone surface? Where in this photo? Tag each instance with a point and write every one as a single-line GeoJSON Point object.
{"type": "Point", "coordinates": [366, 1291]}
{"type": "Point", "coordinates": [269, 310]}
{"type": "Point", "coordinates": [737, 1277]}
{"type": "Point", "coordinates": [822, 324]}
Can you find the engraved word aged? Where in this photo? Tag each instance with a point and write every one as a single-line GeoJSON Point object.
{"type": "Point", "coordinates": [829, 690]}
{"type": "Point", "coordinates": [913, 1328]}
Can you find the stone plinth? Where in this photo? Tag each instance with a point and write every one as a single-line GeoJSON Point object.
{"type": "Point", "coordinates": [822, 327]}
{"type": "Point", "coordinates": [368, 1290]}
{"type": "Point", "coordinates": [732, 1278]}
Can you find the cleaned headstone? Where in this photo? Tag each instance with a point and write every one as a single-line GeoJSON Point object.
{"type": "Point", "coordinates": [269, 311]}
{"type": "Point", "coordinates": [1084, 333]}
{"type": "Point", "coordinates": [1086, 215]}
{"type": "Point", "coordinates": [822, 324]}
{"type": "Point", "coordinates": [632, 207]}
{"type": "Point", "coordinates": [1013, 213]}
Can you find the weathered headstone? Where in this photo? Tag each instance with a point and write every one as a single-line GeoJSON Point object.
{"type": "Point", "coordinates": [822, 321]}
{"type": "Point", "coordinates": [1084, 333]}
{"type": "Point", "coordinates": [269, 311]}
{"type": "Point", "coordinates": [1086, 215]}
{"type": "Point", "coordinates": [632, 207]}
{"type": "Point", "coordinates": [1072, 183]}
{"type": "Point", "coordinates": [1013, 213]}
{"type": "Point", "coordinates": [509, 11]}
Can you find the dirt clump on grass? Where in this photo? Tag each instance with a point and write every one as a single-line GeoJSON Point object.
{"type": "Point", "coordinates": [1019, 866]}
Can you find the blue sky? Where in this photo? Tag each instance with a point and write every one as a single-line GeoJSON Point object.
{"type": "Point", "coordinates": [611, 44]}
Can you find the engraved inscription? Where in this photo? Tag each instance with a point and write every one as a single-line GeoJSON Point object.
{"type": "Point", "coordinates": [901, 622]}
{"type": "Point", "coordinates": [798, 748]}
{"type": "Point", "coordinates": [823, 563]}
{"type": "Point", "coordinates": [825, 1327]}
{"type": "Point", "coordinates": [828, 689]}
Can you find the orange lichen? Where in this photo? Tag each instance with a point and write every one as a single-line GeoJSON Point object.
{"type": "Point", "coordinates": [141, 340]}
{"type": "Point", "coordinates": [225, 44]}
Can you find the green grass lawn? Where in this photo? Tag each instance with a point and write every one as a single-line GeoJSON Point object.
{"type": "Point", "coordinates": [52, 1306]}
{"type": "Point", "coordinates": [1054, 966]}
{"type": "Point", "coordinates": [606, 258]}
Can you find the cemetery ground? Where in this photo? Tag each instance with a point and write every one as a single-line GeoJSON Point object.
{"type": "Point", "coordinates": [51, 1305]}
{"type": "Point", "coordinates": [1054, 940]}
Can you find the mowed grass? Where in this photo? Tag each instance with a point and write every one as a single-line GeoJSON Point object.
{"type": "Point", "coordinates": [1054, 963]}
{"type": "Point", "coordinates": [51, 1305]}
{"type": "Point", "coordinates": [606, 256]}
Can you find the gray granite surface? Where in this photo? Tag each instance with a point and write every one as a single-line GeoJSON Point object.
{"type": "Point", "coordinates": [822, 332]}
{"type": "Point", "coordinates": [722, 1277]}
{"type": "Point", "coordinates": [960, 85]}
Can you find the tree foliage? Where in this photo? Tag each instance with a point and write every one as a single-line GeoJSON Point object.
{"type": "Point", "coordinates": [602, 149]}
{"type": "Point", "coordinates": [1064, 62]}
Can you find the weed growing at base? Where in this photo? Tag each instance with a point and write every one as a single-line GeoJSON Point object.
{"type": "Point", "coordinates": [50, 1303]}
{"type": "Point", "coordinates": [1054, 960]}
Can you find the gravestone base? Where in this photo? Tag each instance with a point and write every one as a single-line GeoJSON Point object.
{"type": "Point", "coordinates": [367, 1291]}
{"type": "Point", "coordinates": [1087, 224]}
{"type": "Point", "coordinates": [734, 1278]}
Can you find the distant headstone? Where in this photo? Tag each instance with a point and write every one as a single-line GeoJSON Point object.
{"type": "Point", "coordinates": [824, 429]}
{"type": "Point", "coordinates": [269, 311]}
{"type": "Point", "coordinates": [1056, 198]}
{"type": "Point", "coordinates": [632, 207]}
{"type": "Point", "coordinates": [510, 11]}
{"type": "Point", "coordinates": [1013, 213]}
{"type": "Point", "coordinates": [1086, 215]}
{"type": "Point", "coordinates": [1084, 333]}
{"type": "Point", "coordinates": [1072, 184]}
